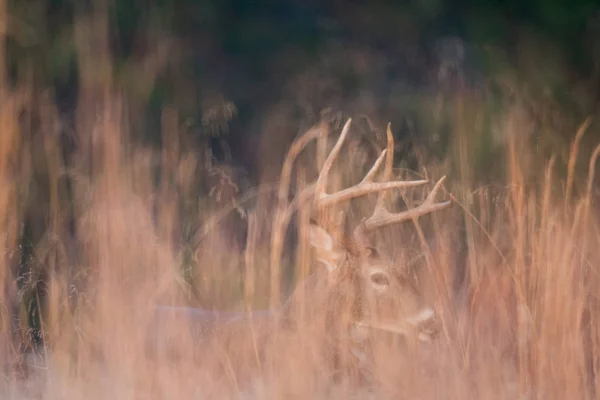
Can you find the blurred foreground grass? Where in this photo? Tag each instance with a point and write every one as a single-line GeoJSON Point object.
{"type": "Point", "coordinates": [98, 226]}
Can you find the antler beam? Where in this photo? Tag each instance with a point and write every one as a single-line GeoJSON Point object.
{"type": "Point", "coordinates": [382, 216]}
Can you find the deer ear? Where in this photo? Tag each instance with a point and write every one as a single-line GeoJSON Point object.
{"type": "Point", "coordinates": [324, 245]}
{"type": "Point", "coordinates": [319, 238]}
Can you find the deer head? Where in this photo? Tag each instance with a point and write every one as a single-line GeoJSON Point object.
{"type": "Point", "coordinates": [366, 290]}
{"type": "Point", "coordinates": [379, 294]}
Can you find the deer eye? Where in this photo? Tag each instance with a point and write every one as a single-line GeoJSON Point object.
{"type": "Point", "coordinates": [373, 252]}
{"type": "Point", "coordinates": [380, 279]}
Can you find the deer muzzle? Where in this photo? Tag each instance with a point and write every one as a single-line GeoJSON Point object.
{"type": "Point", "coordinates": [424, 325]}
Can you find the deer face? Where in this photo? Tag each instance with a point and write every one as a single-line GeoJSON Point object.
{"type": "Point", "coordinates": [378, 293]}
{"type": "Point", "coordinates": [391, 300]}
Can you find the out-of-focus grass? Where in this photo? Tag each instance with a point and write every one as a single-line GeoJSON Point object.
{"type": "Point", "coordinates": [511, 269]}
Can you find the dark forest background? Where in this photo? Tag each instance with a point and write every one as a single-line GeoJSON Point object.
{"type": "Point", "coordinates": [228, 66]}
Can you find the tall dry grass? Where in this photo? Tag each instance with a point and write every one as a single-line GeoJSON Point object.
{"type": "Point", "coordinates": [511, 270]}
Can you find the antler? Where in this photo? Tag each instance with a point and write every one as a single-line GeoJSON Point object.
{"type": "Point", "coordinates": [381, 216]}
{"type": "Point", "coordinates": [366, 186]}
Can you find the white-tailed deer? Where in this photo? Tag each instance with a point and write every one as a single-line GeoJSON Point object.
{"type": "Point", "coordinates": [356, 292]}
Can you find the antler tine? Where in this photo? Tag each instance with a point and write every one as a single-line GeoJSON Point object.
{"type": "Point", "coordinates": [389, 163]}
{"type": "Point", "coordinates": [369, 176]}
{"type": "Point", "coordinates": [324, 174]}
{"type": "Point", "coordinates": [365, 187]}
{"type": "Point", "coordinates": [382, 217]}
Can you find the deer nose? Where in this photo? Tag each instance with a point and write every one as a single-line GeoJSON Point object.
{"type": "Point", "coordinates": [426, 324]}
{"type": "Point", "coordinates": [429, 329]}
